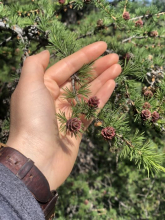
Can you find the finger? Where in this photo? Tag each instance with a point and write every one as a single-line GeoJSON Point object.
{"type": "Point", "coordinates": [34, 67]}
{"type": "Point", "coordinates": [61, 71]}
{"type": "Point", "coordinates": [104, 63]}
{"type": "Point", "coordinates": [99, 82]}
{"type": "Point", "coordinates": [105, 93]}
{"type": "Point", "coordinates": [99, 67]}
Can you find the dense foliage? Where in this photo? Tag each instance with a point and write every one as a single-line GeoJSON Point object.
{"type": "Point", "coordinates": [105, 182]}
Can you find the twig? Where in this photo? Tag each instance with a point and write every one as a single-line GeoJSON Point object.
{"type": "Point", "coordinates": [128, 95]}
{"type": "Point", "coordinates": [126, 1]}
{"type": "Point", "coordinates": [121, 203]}
{"type": "Point", "coordinates": [95, 31]}
{"type": "Point", "coordinates": [73, 78]}
{"type": "Point", "coordinates": [53, 55]}
{"type": "Point", "coordinates": [109, 51]}
{"type": "Point", "coordinates": [140, 37]}
{"type": "Point", "coordinates": [5, 41]}
{"type": "Point", "coordinates": [136, 37]}
{"type": "Point", "coordinates": [85, 35]}
{"type": "Point", "coordinates": [117, 160]}
{"type": "Point", "coordinates": [160, 104]}
{"type": "Point", "coordinates": [125, 140]}
{"type": "Point", "coordinates": [39, 46]}
{"type": "Point", "coordinates": [150, 188]}
{"type": "Point", "coordinates": [145, 16]}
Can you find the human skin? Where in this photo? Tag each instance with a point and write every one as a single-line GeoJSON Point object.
{"type": "Point", "coordinates": [34, 128]}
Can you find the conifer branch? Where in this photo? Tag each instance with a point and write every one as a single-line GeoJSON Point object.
{"type": "Point", "coordinates": [102, 6]}
{"type": "Point", "coordinates": [146, 16]}
{"type": "Point", "coordinates": [130, 101]}
{"type": "Point", "coordinates": [95, 31]}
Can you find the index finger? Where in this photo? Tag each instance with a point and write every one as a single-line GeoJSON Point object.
{"type": "Point", "coordinates": [61, 71]}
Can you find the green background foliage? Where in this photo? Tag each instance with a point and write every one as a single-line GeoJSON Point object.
{"type": "Point", "coordinates": [105, 182]}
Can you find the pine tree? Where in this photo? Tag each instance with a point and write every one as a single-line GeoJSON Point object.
{"type": "Point", "coordinates": [126, 127]}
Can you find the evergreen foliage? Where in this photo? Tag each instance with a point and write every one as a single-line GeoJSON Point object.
{"type": "Point", "coordinates": [104, 183]}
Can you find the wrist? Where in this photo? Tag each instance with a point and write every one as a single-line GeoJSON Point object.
{"type": "Point", "coordinates": [30, 150]}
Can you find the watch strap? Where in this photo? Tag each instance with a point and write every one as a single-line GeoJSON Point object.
{"type": "Point", "coordinates": [32, 177]}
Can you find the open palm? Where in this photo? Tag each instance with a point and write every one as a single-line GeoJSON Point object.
{"type": "Point", "coordinates": [34, 129]}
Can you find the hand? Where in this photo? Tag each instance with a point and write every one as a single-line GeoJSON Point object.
{"type": "Point", "coordinates": [34, 129]}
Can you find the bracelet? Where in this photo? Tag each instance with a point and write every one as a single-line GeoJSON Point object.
{"type": "Point", "coordinates": [32, 177]}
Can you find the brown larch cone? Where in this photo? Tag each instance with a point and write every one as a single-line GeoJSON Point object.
{"type": "Point", "coordinates": [146, 105]}
{"type": "Point", "coordinates": [127, 56]}
{"type": "Point", "coordinates": [154, 34]}
{"type": "Point", "coordinates": [126, 15]}
{"type": "Point", "coordinates": [139, 23]}
{"type": "Point", "coordinates": [146, 114]}
{"type": "Point", "coordinates": [73, 124]}
{"type": "Point", "coordinates": [108, 133]}
{"type": "Point", "coordinates": [155, 116]}
{"type": "Point", "coordinates": [148, 93]}
{"type": "Point", "coordinates": [93, 102]}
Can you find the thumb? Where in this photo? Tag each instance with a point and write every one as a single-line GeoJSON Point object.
{"type": "Point", "coordinates": [34, 67]}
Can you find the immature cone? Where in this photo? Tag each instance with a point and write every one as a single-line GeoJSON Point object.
{"type": "Point", "coordinates": [146, 105]}
{"type": "Point", "coordinates": [154, 34]}
{"type": "Point", "coordinates": [155, 116]}
{"type": "Point", "coordinates": [139, 23]}
{"type": "Point", "coordinates": [61, 1]}
{"type": "Point", "coordinates": [93, 102]}
{"type": "Point", "coordinates": [148, 94]}
{"type": "Point", "coordinates": [73, 124]}
{"type": "Point", "coordinates": [127, 56]}
{"type": "Point", "coordinates": [146, 114]}
{"type": "Point", "coordinates": [108, 133]}
{"type": "Point", "coordinates": [126, 15]}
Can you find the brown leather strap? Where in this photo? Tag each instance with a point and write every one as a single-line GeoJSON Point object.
{"type": "Point", "coordinates": [32, 177]}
